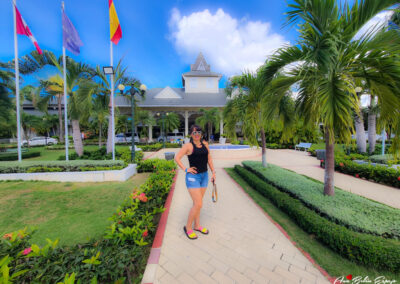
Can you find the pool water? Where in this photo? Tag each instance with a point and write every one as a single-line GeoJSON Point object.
{"type": "Point", "coordinates": [228, 147]}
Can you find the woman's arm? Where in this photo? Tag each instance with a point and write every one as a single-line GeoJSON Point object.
{"type": "Point", "coordinates": [210, 163]}
{"type": "Point", "coordinates": [181, 153]}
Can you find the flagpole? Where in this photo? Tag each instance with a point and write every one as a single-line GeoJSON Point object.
{"type": "Point", "coordinates": [65, 97]}
{"type": "Point", "coordinates": [16, 64]}
{"type": "Point", "coordinates": [112, 102]}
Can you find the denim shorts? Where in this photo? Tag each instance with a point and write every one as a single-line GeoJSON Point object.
{"type": "Point", "coordinates": [196, 180]}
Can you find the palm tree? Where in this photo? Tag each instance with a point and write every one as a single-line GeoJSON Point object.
{"type": "Point", "coordinates": [209, 117]}
{"type": "Point", "coordinates": [54, 88]}
{"type": "Point", "coordinates": [143, 117]}
{"type": "Point", "coordinates": [254, 106]}
{"type": "Point", "coordinates": [330, 59]}
{"type": "Point", "coordinates": [171, 121]}
{"type": "Point", "coordinates": [99, 113]}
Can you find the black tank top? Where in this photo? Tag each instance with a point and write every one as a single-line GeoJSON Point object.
{"type": "Point", "coordinates": [199, 158]}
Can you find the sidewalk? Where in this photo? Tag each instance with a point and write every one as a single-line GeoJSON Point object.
{"type": "Point", "coordinates": [243, 246]}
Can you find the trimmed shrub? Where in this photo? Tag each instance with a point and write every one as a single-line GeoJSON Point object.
{"type": "Point", "coordinates": [377, 173]}
{"type": "Point", "coordinates": [344, 208]}
{"type": "Point", "coordinates": [361, 248]}
{"type": "Point", "coordinates": [66, 166]}
{"type": "Point", "coordinates": [150, 164]}
{"type": "Point", "coordinates": [14, 156]}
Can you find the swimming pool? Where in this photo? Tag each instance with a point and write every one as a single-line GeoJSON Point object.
{"type": "Point", "coordinates": [228, 147]}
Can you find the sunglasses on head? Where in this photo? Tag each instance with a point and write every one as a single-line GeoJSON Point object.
{"type": "Point", "coordinates": [196, 132]}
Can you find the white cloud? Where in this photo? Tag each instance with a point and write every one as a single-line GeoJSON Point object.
{"type": "Point", "coordinates": [229, 45]}
{"type": "Point", "coordinates": [375, 23]}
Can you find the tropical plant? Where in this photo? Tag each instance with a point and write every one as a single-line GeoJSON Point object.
{"type": "Point", "coordinates": [209, 117]}
{"type": "Point", "coordinates": [171, 121]}
{"type": "Point", "coordinates": [145, 119]}
{"type": "Point", "coordinates": [330, 59]}
{"type": "Point", "coordinates": [99, 113]}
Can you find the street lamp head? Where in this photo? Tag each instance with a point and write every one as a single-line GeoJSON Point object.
{"type": "Point", "coordinates": [121, 87]}
{"type": "Point", "coordinates": [143, 87]}
{"type": "Point", "coordinates": [358, 89]}
{"type": "Point", "coordinates": [108, 70]}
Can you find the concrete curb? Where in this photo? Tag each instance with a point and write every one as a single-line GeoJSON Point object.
{"type": "Point", "coordinates": [307, 255]}
{"type": "Point", "coordinates": [149, 275]}
{"type": "Point", "coordinates": [88, 176]}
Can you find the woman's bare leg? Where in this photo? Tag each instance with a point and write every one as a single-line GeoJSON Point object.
{"type": "Point", "coordinates": [197, 217]}
{"type": "Point", "coordinates": [197, 197]}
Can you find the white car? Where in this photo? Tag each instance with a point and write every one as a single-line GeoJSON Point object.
{"type": "Point", "coordinates": [39, 140]}
{"type": "Point", "coordinates": [127, 137]}
{"type": "Point", "coordinates": [172, 137]}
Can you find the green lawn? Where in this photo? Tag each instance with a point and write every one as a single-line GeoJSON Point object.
{"type": "Point", "coordinates": [51, 155]}
{"type": "Point", "coordinates": [333, 263]}
{"type": "Point", "coordinates": [72, 212]}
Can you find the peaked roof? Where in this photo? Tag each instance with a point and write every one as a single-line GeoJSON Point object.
{"type": "Point", "coordinates": [200, 64]}
{"type": "Point", "coordinates": [167, 93]}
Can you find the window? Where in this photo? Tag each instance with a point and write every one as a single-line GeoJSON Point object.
{"type": "Point", "coordinates": [210, 83]}
{"type": "Point", "coordinates": [193, 82]}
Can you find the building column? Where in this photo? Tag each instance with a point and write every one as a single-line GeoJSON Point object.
{"type": "Point", "coordinates": [150, 133]}
{"type": "Point", "coordinates": [221, 126]}
{"type": "Point", "coordinates": [186, 123]}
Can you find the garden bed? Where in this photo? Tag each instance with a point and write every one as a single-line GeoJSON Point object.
{"type": "Point", "coordinates": [117, 257]}
{"type": "Point", "coordinates": [344, 208]}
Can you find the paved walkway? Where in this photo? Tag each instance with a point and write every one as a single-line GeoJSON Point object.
{"type": "Point", "coordinates": [243, 246]}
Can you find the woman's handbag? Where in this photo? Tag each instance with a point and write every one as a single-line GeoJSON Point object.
{"type": "Point", "coordinates": [214, 192]}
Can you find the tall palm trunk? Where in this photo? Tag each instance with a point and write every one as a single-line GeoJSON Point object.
{"type": "Point", "coordinates": [76, 133]}
{"type": "Point", "coordinates": [109, 134]}
{"type": "Point", "coordinates": [100, 130]}
{"type": "Point", "coordinates": [263, 148]}
{"type": "Point", "coordinates": [360, 134]}
{"type": "Point", "coordinates": [329, 165]}
{"type": "Point", "coordinates": [371, 131]}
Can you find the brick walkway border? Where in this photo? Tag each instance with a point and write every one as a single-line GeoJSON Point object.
{"type": "Point", "coordinates": [307, 255]}
{"type": "Point", "coordinates": [149, 274]}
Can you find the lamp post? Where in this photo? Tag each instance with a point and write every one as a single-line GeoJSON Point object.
{"type": "Point", "coordinates": [109, 70]}
{"type": "Point", "coordinates": [133, 90]}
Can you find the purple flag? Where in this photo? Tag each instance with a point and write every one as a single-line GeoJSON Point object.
{"type": "Point", "coordinates": [71, 40]}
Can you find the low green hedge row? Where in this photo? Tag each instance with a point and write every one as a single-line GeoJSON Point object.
{"type": "Point", "coordinates": [278, 146]}
{"type": "Point", "coordinates": [385, 159]}
{"type": "Point", "coordinates": [59, 147]}
{"type": "Point", "coordinates": [150, 164]}
{"type": "Point", "coordinates": [66, 166]}
{"type": "Point", "coordinates": [118, 257]}
{"type": "Point", "coordinates": [369, 250]}
{"type": "Point", "coordinates": [14, 156]}
{"type": "Point", "coordinates": [344, 208]}
{"type": "Point", "coordinates": [377, 173]}
{"type": "Point", "coordinates": [158, 146]}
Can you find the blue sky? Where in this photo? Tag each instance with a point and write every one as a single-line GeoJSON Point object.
{"type": "Point", "coordinates": [159, 38]}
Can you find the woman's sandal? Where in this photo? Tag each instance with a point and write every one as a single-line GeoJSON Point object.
{"type": "Point", "coordinates": [202, 230]}
{"type": "Point", "coordinates": [190, 234]}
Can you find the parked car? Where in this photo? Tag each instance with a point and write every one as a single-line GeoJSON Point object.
{"type": "Point", "coordinates": [127, 137]}
{"type": "Point", "coordinates": [39, 140]}
{"type": "Point", "coordinates": [172, 137]}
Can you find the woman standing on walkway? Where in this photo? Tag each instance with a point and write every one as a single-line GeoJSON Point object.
{"type": "Point", "coordinates": [199, 155]}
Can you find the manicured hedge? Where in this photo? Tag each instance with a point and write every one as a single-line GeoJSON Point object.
{"type": "Point", "coordinates": [118, 257]}
{"type": "Point", "coordinates": [385, 159]}
{"type": "Point", "coordinates": [14, 156]}
{"type": "Point", "coordinates": [66, 166]}
{"type": "Point", "coordinates": [377, 173]}
{"type": "Point", "coordinates": [369, 250]}
{"type": "Point", "coordinates": [150, 164]}
{"type": "Point", "coordinates": [345, 208]}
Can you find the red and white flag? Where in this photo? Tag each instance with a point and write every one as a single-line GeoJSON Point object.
{"type": "Point", "coordinates": [23, 29]}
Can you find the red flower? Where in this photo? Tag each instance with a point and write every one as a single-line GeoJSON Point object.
{"type": "Point", "coordinates": [322, 161]}
{"type": "Point", "coordinates": [145, 233]}
{"type": "Point", "coordinates": [143, 197]}
{"type": "Point", "coordinates": [8, 236]}
{"type": "Point", "coordinates": [357, 175]}
{"type": "Point", "coordinates": [398, 178]}
{"type": "Point", "coordinates": [341, 164]}
{"type": "Point", "coordinates": [27, 251]}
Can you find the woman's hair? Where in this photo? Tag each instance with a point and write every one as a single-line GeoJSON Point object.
{"type": "Point", "coordinates": [198, 128]}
